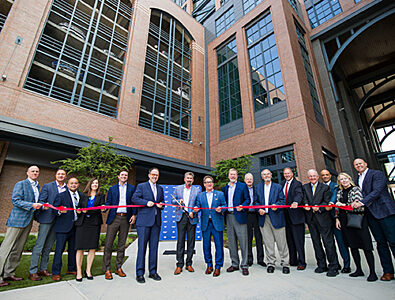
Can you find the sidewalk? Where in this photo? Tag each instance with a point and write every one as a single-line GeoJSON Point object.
{"type": "Point", "coordinates": [258, 285]}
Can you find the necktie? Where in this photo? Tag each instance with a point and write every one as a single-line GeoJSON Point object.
{"type": "Point", "coordinates": [75, 200]}
{"type": "Point", "coordinates": [286, 192]}
{"type": "Point", "coordinates": [313, 189]}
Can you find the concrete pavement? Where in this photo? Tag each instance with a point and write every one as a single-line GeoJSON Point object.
{"type": "Point", "coordinates": [258, 285]}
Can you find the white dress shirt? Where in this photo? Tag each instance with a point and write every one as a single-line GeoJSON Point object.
{"type": "Point", "coordinates": [231, 192]}
{"type": "Point", "coordinates": [186, 195]}
{"type": "Point", "coordinates": [122, 197]}
{"type": "Point", "coordinates": [61, 188]}
{"type": "Point", "coordinates": [285, 185]}
{"type": "Point", "coordinates": [267, 194]}
{"type": "Point", "coordinates": [361, 178]}
{"type": "Point", "coordinates": [153, 188]}
{"type": "Point", "coordinates": [35, 189]}
{"type": "Point", "coordinates": [209, 198]}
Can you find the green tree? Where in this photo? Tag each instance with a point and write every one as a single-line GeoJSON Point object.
{"type": "Point", "coordinates": [241, 164]}
{"type": "Point", "coordinates": [97, 160]}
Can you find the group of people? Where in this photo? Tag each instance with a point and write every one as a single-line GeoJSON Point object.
{"type": "Point", "coordinates": [237, 206]}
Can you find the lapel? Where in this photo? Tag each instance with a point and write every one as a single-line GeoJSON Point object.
{"type": "Point", "coordinates": [128, 192]}
{"type": "Point", "coordinates": [290, 187]}
{"type": "Point", "coordinates": [117, 193]}
{"type": "Point", "coordinates": [68, 199]}
{"type": "Point", "coordinates": [97, 199]}
{"type": "Point", "coordinates": [215, 199]}
{"type": "Point", "coordinates": [205, 199]}
{"type": "Point", "coordinates": [29, 188]}
{"type": "Point", "coordinates": [365, 181]}
{"type": "Point", "coordinates": [317, 189]}
{"type": "Point", "coordinates": [271, 194]}
{"type": "Point", "coordinates": [309, 192]}
{"type": "Point", "coordinates": [152, 193]}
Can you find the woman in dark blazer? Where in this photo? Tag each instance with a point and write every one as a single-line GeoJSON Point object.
{"type": "Point", "coordinates": [88, 227]}
{"type": "Point", "coordinates": [355, 238]}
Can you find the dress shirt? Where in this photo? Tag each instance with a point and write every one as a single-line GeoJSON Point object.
{"type": "Point", "coordinates": [314, 188]}
{"type": "Point", "coordinates": [74, 195]}
{"type": "Point", "coordinates": [209, 201]}
{"type": "Point", "coordinates": [35, 189]}
{"type": "Point", "coordinates": [231, 192]}
{"type": "Point", "coordinates": [61, 188]}
{"type": "Point", "coordinates": [361, 178]}
{"type": "Point", "coordinates": [267, 194]}
{"type": "Point", "coordinates": [251, 192]}
{"type": "Point", "coordinates": [186, 195]}
{"type": "Point", "coordinates": [153, 188]}
{"type": "Point", "coordinates": [122, 197]}
{"type": "Point", "coordinates": [289, 184]}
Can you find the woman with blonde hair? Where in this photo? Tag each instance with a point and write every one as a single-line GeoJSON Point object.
{"type": "Point", "coordinates": [88, 227]}
{"type": "Point", "coordinates": [354, 225]}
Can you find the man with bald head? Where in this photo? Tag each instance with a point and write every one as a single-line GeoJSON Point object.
{"type": "Point", "coordinates": [380, 213]}
{"type": "Point", "coordinates": [319, 221]}
{"type": "Point", "coordinates": [25, 202]}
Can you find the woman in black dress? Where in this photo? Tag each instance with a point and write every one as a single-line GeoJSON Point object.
{"type": "Point", "coordinates": [355, 238]}
{"type": "Point", "coordinates": [88, 227]}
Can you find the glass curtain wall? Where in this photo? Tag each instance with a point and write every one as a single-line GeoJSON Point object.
{"type": "Point", "coordinates": [166, 94]}
{"type": "Point", "coordinates": [321, 11]}
{"type": "Point", "coordinates": [80, 55]}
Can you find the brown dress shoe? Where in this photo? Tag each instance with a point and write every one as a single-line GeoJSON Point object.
{"type": "Point", "coordinates": [108, 275]}
{"type": "Point", "coordinates": [34, 277]}
{"type": "Point", "coordinates": [216, 273]}
{"type": "Point", "coordinates": [4, 283]}
{"type": "Point", "coordinates": [245, 271]}
{"type": "Point", "coordinates": [44, 273]}
{"type": "Point", "coordinates": [71, 272]}
{"type": "Point", "coordinates": [209, 270]}
{"type": "Point", "coordinates": [232, 269]}
{"type": "Point", "coordinates": [56, 277]}
{"type": "Point", "coordinates": [190, 269]}
{"type": "Point", "coordinates": [178, 271]}
{"type": "Point", "coordinates": [385, 277]}
{"type": "Point", "coordinates": [120, 272]}
{"type": "Point", "coordinates": [13, 278]}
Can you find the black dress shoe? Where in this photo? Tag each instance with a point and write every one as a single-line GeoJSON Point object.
{"type": "Point", "coordinates": [320, 270]}
{"type": "Point", "coordinates": [372, 277]}
{"type": "Point", "coordinates": [249, 263]}
{"type": "Point", "coordinates": [78, 279]}
{"type": "Point", "coordinates": [357, 273]}
{"type": "Point", "coordinates": [140, 279]}
{"type": "Point", "coordinates": [261, 263]}
{"type": "Point", "coordinates": [232, 269]}
{"type": "Point", "coordinates": [155, 276]}
{"type": "Point", "coordinates": [332, 273]}
{"type": "Point", "coordinates": [346, 270]}
{"type": "Point", "coordinates": [270, 269]}
{"type": "Point", "coordinates": [285, 270]}
{"type": "Point", "coordinates": [88, 277]}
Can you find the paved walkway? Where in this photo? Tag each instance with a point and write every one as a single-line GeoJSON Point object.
{"type": "Point", "coordinates": [258, 285]}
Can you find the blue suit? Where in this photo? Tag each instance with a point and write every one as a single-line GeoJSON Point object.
{"type": "Point", "coordinates": [65, 232]}
{"type": "Point", "coordinates": [212, 224]}
{"type": "Point", "coordinates": [381, 215]}
{"type": "Point", "coordinates": [22, 200]}
{"type": "Point", "coordinates": [334, 188]}
{"type": "Point", "coordinates": [241, 197]}
{"type": "Point", "coordinates": [276, 196]}
{"type": "Point", "coordinates": [148, 226]}
{"type": "Point", "coordinates": [47, 195]}
{"type": "Point", "coordinates": [113, 199]}
{"type": "Point", "coordinates": [179, 194]}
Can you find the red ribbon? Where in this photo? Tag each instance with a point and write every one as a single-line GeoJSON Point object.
{"type": "Point", "coordinates": [347, 207]}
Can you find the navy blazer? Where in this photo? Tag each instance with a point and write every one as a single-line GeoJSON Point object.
{"type": "Point", "coordinates": [64, 223]}
{"type": "Point", "coordinates": [276, 196]}
{"type": "Point", "coordinates": [217, 218]}
{"type": "Point", "coordinates": [295, 194]}
{"type": "Point", "coordinates": [113, 199]}
{"type": "Point", "coordinates": [47, 195]}
{"type": "Point", "coordinates": [334, 188]}
{"type": "Point", "coordinates": [240, 197]}
{"type": "Point", "coordinates": [94, 215]}
{"type": "Point", "coordinates": [146, 215]}
{"type": "Point", "coordinates": [375, 194]}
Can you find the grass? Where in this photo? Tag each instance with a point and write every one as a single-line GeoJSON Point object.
{"type": "Point", "coordinates": [23, 271]}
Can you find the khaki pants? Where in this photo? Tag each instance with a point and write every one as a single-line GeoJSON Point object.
{"type": "Point", "coordinates": [11, 249]}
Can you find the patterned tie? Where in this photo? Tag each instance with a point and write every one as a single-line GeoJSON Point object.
{"type": "Point", "coordinates": [286, 192]}
{"type": "Point", "coordinates": [35, 190]}
{"type": "Point", "coordinates": [75, 200]}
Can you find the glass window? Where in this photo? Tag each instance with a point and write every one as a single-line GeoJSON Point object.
{"type": "Point", "coordinates": [294, 5]}
{"type": "Point", "coordinates": [5, 7]}
{"type": "Point", "coordinates": [268, 160]}
{"type": "Point", "coordinates": [250, 4]}
{"type": "Point", "coordinates": [224, 21]}
{"type": "Point", "coordinates": [228, 84]}
{"type": "Point", "coordinates": [266, 78]}
{"type": "Point", "coordinates": [202, 9]}
{"type": "Point", "coordinates": [287, 156]}
{"type": "Point", "coordinates": [330, 161]}
{"type": "Point", "coordinates": [323, 11]}
{"type": "Point", "coordinates": [166, 94]}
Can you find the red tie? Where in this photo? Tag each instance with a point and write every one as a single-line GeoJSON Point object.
{"type": "Point", "coordinates": [286, 192]}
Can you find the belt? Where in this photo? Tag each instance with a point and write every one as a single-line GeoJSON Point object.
{"type": "Point", "coordinates": [122, 214]}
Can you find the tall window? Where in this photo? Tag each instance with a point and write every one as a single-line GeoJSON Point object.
{"type": "Point", "coordinates": [80, 55]}
{"type": "Point", "coordinates": [224, 21]}
{"type": "Point", "coordinates": [202, 9]}
{"type": "Point", "coordinates": [5, 7]}
{"type": "Point", "coordinates": [250, 4]}
{"type": "Point", "coordinates": [228, 84]}
{"type": "Point", "coordinates": [267, 82]}
{"type": "Point", "coordinates": [330, 161]}
{"type": "Point", "coordinates": [322, 11]}
{"type": "Point", "coordinates": [166, 94]}
{"type": "Point", "coordinates": [294, 5]}
{"type": "Point", "coordinates": [309, 74]}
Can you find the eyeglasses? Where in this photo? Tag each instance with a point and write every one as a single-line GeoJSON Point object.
{"type": "Point", "coordinates": [207, 182]}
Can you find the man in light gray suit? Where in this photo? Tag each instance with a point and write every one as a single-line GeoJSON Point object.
{"type": "Point", "coordinates": [185, 196]}
{"type": "Point", "coordinates": [25, 202]}
{"type": "Point", "coordinates": [46, 235]}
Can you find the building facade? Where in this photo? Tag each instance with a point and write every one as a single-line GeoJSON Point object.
{"type": "Point", "coordinates": [178, 84]}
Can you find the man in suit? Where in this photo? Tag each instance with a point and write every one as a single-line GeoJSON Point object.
{"type": "Point", "coordinates": [150, 194]}
{"type": "Point", "coordinates": [46, 235]}
{"type": "Point", "coordinates": [326, 177]}
{"type": "Point", "coordinates": [118, 222]}
{"type": "Point", "coordinates": [25, 202]}
{"type": "Point", "coordinates": [273, 226]}
{"type": "Point", "coordinates": [185, 195]}
{"type": "Point", "coordinates": [212, 221]}
{"type": "Point", "coordinates": [65, 228]}
{"type": "Point", "coordinates": [236, 194]}
{"type": "Point", "coordinates": [294, 219]}
{"type": "Point", "coordinates": [380, 213]}
{"type": "Point", "coordinates": [319, 221]}
{"type": "Point", "coordinates": [253, 225]}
